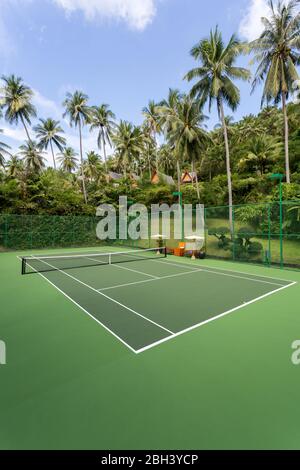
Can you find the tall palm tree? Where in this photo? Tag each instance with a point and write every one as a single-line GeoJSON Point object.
{"type": "Point", "coordinates": [215, 83]}
{"type": "Point", "coordinates": [152, 124]}
{"type": "Point", "coordinates": [103, 120]}
{"type": "Point", "coordinates": [185, 133]}
{"type": "Point", "coordinates": [67, 159]}
{"type": "Point", "coordinates": [48, 134]}
{"type": "Point", "coordinates": [32, 157]}
{"type": "Point", "coordinates": [4, 151]}
{"type": "Point", "coordinates": [130, 143]}
{"type": "Point", "coordinates": [15, 98]}
{"type": "Point", "coordinates": [277, 51]}
{"type": "Point", "coordinates": [79, 114]}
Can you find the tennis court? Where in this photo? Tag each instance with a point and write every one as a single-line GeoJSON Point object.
{"type": "Point", "coordinates": [144, 297]}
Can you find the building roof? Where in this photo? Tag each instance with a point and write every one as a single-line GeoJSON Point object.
{"type": "Point", "coordinates": [114, 176]}
{"type": "Point", "coordinates": [163, 178]}
{"type": "Point", "coordinates": [189, 175]}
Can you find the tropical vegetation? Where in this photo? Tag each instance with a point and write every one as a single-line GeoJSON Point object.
{"type": "Point", "coordinates": [232, 162]}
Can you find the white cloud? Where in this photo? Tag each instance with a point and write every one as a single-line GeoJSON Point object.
{"type": "Point", "coordinates": [138, 14]}
{"type": "Point", "coordinates": [46, 107]}
{"type": "Point", "coordinates": [251, 26]}
{"type": "Point", "coordinates": [15, 134]}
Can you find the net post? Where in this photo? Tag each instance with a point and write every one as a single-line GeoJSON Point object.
{"type": "Point", "coordinates": [23, 266]}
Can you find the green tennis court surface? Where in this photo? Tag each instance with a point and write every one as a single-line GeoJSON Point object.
{"type": "Point", "coordinates": [71, 382]}
{"type": "Point", "coordinates": [144, 299]}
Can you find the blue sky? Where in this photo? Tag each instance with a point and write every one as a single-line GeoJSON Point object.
{"type": "Point", "coordinates": [121, 52]}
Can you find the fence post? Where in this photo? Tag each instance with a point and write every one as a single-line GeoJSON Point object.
{"type": "Point", "coordinates": [269, 234]}
{"type": "Point", "coordinates": [233, 231]}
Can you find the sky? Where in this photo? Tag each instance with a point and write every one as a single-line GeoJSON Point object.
{"type": "Point", "coordinates": [120, 52]}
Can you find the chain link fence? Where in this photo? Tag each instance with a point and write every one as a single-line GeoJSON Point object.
{"type": "Point", "coordinates": [255, 233]}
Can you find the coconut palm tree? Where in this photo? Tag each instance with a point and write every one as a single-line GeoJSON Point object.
{"type": "Point", "coordinates": [130, 143]}
{"type": "Point", "coordinates": [168, 108]}
{"type": "Point", "coordinates": [32, 156]}
{"type": "Point", "coordinates": [103, 120]}
{"type": "Point", "coordinates": [278, 52]}
{"type": "Point", "coordinates": [93, 168]}
{"type": "Point", "coordinates": [215, 76]}
{"type": "Point", "coordinates": [79, 114]}
{"type": "Point", "coordinates": [152, 124]}
{"type": "Point", "coordinates": [15, 98]}
{"type": "Point", "coordinates": [4, 151]}
{"type": "Point", "coordinates": [185, 133]}
{"type": "Point", "coordinates": [48, 134]}
{"type": "Point", "coordinates": [167, 159]}
{"type": "Point", "coordinates": [67, 159]}
{"type": "Point", "coordinates": [261, 153]}
{"type": "Point", "coordinates": [14, 166]}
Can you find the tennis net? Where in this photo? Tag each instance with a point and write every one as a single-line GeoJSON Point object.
{"type": "Point", "coordinates": [39, 264]}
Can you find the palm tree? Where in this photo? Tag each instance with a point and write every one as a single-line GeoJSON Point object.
{"type": "Point", "coordinates": [130, 143]}
{"type": "Point", "coordinates": [103, 120]}
{"type": "Point", "coordinates": [92, 166]}
{"type": "Point", "coordinates": [185, 133]}
{"type": "Point", "coordinates": [14, 166]}
{"type": "Point", "coordinates": [249, 127]}
{"type": "Point", "coordinates": [152, 124]}
{"type": "Point", "coordinates": [79, 114]}
{"type": "Point", "coordinates": [48, 134]}
{"type": "Point", "coordinates": [16, 99]}
{"type": "Point", "coordinates": [4, 151]}
{"type": "Point", "coordinates": [167, 159]}
{"type": "Point", "coordinates": [32, 157]}
{"type": "Point", "coordinates": [277, 51]}
{"type": "Point", "coordinates": [67, 159]}
{"type": "Point", "coordinates": [261, 153]}
{"type": "Point", "coordinates": [215, 83]}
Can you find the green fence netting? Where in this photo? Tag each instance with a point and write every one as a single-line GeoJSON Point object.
{"type": "Point", "coordinates": [257, 233]}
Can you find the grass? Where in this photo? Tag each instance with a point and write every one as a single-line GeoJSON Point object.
{"type": "Point", "coordinates": [69, 384]}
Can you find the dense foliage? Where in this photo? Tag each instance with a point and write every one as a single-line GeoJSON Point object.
{"type": "Point", "coordinates": [232, 163]}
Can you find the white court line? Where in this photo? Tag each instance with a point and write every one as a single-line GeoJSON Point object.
{"type": "Point", "coordinates": [252, 278]}
{"type": "Point", "coordinates": [225, 269]}
{"type": "Point", "coordinates": [129, 269]}
{"type": "Point", "coordinates": [175, 335]}
{"type": "Point", "coordinates": [149, 280]}
{"type": "Point", "coordinates": [110, 298]}
{"type": "Point", "coordinates": [83, 309]}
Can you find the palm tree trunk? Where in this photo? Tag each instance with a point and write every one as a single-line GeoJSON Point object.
{"type": "Point", "coordinates": [286, 139]}
{"type": "Point", "coordinates": [26, 130]}
{"type": "Point", "coordinates": [54, 162]}
{"type": "Point", "coordinates": [104, 151]}
{"type": "Point", "coordinates": [228, 168]}
{"type": "Point", "coordinates": [156, 153]}
{"type": "Point", "coordinates": [81, 159]}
